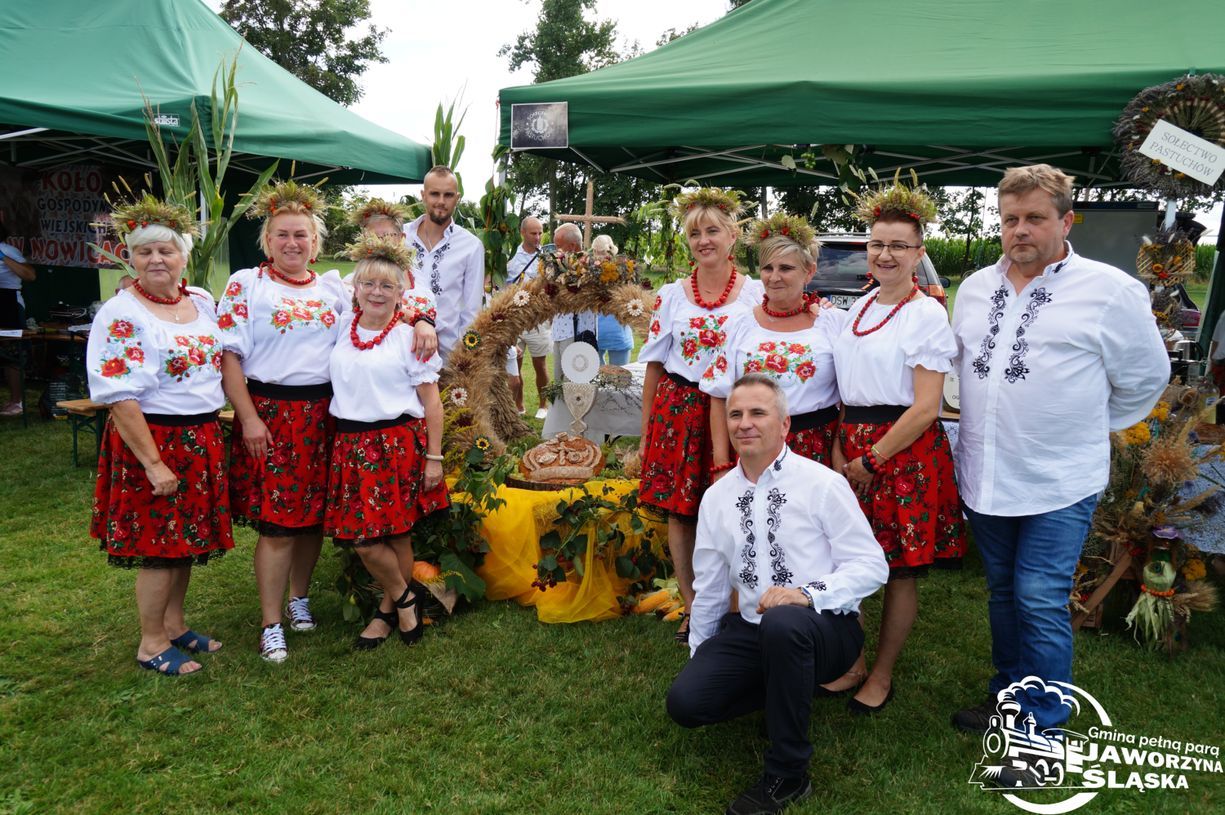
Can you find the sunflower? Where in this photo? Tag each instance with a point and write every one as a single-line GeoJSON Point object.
{"type": "Point", "coordinates": [472, 340]}
{"type": "Point", "coordinates": [481, 443]}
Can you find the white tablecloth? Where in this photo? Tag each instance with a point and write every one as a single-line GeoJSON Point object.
{"type": "Point", "coordinates": [615, 412]}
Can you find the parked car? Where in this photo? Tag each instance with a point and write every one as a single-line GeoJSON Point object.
{"type": "Point", "coordinates": [842, 271]}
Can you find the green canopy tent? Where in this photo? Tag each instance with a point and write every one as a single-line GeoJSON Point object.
{"type": "Point", "coordinates": [957, 90]}
{"type": "Point", "coordinates": [76, 71]}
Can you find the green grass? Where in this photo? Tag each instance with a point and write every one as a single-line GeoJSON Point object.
{"type": "Point", "coordinates": [491, 713]}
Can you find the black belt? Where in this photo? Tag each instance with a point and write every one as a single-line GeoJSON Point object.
{"type": "Point", "coordinates": [813, 418]}
{"type": "Point", "coordinates": [680, 380]}
{"type": "Point", "coordinates": [180, 420]}
{"type": "Point", "coordinates": [291, 393]}
{"type": "Point", "coordinates": [353, 426]}
{"type": "Point", "coordinates": [873, 414]}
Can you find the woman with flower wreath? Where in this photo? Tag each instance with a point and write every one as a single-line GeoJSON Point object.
{"type": "Point", "coordinates": [160, 502]}
{"type": "Point", "coordinates": [279, 324]}
{"type": "Point", "coordinates": [891, 358]}
{"type": "Point", "coordinates": [383, 219]}
{"type": "Point", "coordinates": [386, 464]}
{"type": "Point", "coordinates": [687, 331]}
{"type": "Point", "coordinates": [784, 338]}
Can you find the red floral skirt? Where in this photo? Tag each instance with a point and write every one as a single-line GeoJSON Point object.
{"type": "Point", "coordinates": [138, 529]}
{"type": "Point", "coordinates": [375, 487]}
{"type": "Point", "coordinates": [816, 443]}
{"type": "Point", "coordinates": [284, 494]}
{"type": "Point", "coordinates": [913, 505]}
{"type": "Point", "coordinates": [677, 458]}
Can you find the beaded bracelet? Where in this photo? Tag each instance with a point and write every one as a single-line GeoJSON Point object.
{"type": "Point", "coordinates": [719, 468]}
{"type": "Point", "coordinates": [868, 463]}
{"type": "Point", "coordinates": [420, 318]}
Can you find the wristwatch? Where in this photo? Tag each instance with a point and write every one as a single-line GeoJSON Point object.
{"type": "Point", "coordinates": [808, 597]}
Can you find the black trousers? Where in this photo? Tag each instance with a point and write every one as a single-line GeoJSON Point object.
{"type": "Point", "coordinates": [775, 665]}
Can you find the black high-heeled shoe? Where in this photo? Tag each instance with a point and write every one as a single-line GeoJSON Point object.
{"type": "Point", "coordinates": [370, 643]}
{"type": "Point", "coordinates": [413, 634]}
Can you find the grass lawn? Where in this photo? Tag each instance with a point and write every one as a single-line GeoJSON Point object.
{"type": "Point", "coordinates": [491, 713]}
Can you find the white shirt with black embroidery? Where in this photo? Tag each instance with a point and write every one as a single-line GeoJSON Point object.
{"type": "Point", "coordinates": [454, 272]}
{"type": "Point", "coordinates": [1045, 375]}
{"type": "Point", "coordinates": [798, 527]}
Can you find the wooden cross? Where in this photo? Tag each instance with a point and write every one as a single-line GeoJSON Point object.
{"type": "Point", "coordinates": [587, 219]}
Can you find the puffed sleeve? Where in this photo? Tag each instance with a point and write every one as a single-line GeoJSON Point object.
{"type": "Point", "coordinates": [233, 313]}
{"type": "Point", "coordinates": [340, 296]}
{"type": "Point", "coordinates": [721, 374]}
{"type": "Point", "coordinates": [928, 340]}
{"type": "Point", "coordinates": [121, 358]}
{"type": "Point", "coordinates": [1137, 364]}
{"type": "Point", "coordinates": [752, 292]}
{"type": "Point", "coordinates": [659, 335]}
{"type": "Point", "coordinates": [419, 373]}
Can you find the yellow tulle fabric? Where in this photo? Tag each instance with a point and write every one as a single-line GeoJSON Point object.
{"type": "Point", "coordinates": [514, 532]}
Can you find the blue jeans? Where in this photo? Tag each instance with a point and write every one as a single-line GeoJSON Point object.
{"type": "Point", "coordinates": [1029, 561]}
{"type": "Point", "coordinates": [616, 356]}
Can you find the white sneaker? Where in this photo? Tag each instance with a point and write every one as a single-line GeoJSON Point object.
{"type": "Point", "coordinates": [272, 643]}
{"type": "Point", "coordinates": [299, 612]}
{"type": "Point", "coordinates": [542, 413]}
{"type": "Point", "coordinates": [11, 409]}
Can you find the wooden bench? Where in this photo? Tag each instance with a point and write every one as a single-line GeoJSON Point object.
{"type": "Point", "coordinates": [85, 414]}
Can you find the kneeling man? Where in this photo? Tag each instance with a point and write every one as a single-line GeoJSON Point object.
{"type": "Point", "coordinates": [788, 535]}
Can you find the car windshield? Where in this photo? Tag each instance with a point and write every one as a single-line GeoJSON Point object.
{"type": "Point", "coordinates": [842, 266]}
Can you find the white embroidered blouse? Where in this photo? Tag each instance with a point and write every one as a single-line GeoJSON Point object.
{"type": "Point", "coordinates": [685, 337]}
{"type": "Point", "coordinates": [379, 383]}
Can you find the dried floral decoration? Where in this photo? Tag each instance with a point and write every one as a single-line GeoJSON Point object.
{"type": "Point", "coordinates": [287, 196]}
{"type": "Point", "coordinates": [370, 247]}
{"type": "Point", "coordinates": [126, 218]}
{"type": "Point", "coordinates": [708, 197]}
{"type": "Point", "coordinates": [781, 225]}
{"type": "Point", "coordinates": [897, 200]}
{"type": "Point", "coordinates": [378, 208]}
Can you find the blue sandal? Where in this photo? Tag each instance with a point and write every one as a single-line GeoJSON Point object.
{"type": "Point", "coordinates": [172, 657]}
{"type": "Point", "coordinates": [193, 642]}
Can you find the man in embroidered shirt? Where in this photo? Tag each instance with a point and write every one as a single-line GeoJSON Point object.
{"type": "Point", "coordinates": [1056, 350]}
{"type": "Point", "coordinates": [450, 259]}
{"type": "Point", "coordinates": [787, 534]}
{"type": "Point", "coordinates": [524, 266]}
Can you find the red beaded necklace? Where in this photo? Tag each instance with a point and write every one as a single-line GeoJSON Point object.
{"type": "Point", "coordinates": [284, 278]}
{"type": "Point", "coordinates": [366, 345]}
{"type": "Point", "coordinates": [855, 326]}
{"type": "Point", "coordinates": [779, 315]}
{"type": "Point", "coordinates": [163, 301]}
{"type": "Point", "coordinates": [727, 290]}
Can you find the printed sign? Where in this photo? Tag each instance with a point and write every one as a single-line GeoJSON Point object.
{"type": "Point", "coordinates": [1184, 152]}
{"type": "Point", "coordinates": [50, 214]}
{"type": "Point", "coordinates": [539, 124]}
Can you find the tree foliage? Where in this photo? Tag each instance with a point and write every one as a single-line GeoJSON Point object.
{"type": "Point", "coordinates": [312, 40]}
{"type": "Point", "coordinates": [564, 42]}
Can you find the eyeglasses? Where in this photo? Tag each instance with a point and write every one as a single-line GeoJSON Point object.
{"type": "Point", "coordinates": [370, 285]}
{"type": "Point", "coordinates": [895, 248]}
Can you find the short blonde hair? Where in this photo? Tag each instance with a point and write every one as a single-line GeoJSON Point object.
{"type": "Point", "coordinates": [1057, 183]}
{"type": "Point", "coordinates": [781, 244]}
{"type": "Point", "coordinates": [697, 215]}
{"type": "Point", "coordinates": [603, 246]}
{"type": "Point", "coordinates": [380, 270]}
{"type": "Point", "coordinates": [318, 230]}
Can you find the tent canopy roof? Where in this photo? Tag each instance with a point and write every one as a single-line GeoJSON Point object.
{"type": "Point", "coordinates": [957, 89]}
{"type": "Point", "coordinates": [77, 70]}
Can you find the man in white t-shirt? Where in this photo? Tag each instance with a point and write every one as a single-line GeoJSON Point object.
{"type": "Point", "coordinates": [524, 266]}
{"type": "Point", "coordinates": [450, 259]}
{"type": "Point", "coordinates": [1055, 351]}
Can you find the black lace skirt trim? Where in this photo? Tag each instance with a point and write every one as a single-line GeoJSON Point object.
{"type": "Point", "coordinates": [150, 562]}
{"type": "Point", "coordinates": [271, 530]}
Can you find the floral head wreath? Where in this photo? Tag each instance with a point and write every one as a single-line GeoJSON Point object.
{"type": "Point", "coordinates": [898, 199]}
{"type": "Point", "coordinates": [129, 217]}
{"type": "Point", "coordinates": [377, 207]}
{"type": "Point", "coordinates": [282, 195]}
{"type": "Point", "coordinates": [726, 200]}
{"type": "Point", "coordinates": [781, 225]}
{"type": "Point", "coordinates": [370, 247]}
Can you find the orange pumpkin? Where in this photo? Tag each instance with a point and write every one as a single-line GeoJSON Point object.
{"type": "Point", "coordinates": [425, 572]}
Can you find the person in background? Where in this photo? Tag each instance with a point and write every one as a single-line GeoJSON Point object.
{"type": "Point", "coordinates": [568, 240]}
{"type": "Point", "coordinates": [1055, 351]}
{"type": "Point", "coordinates": [386, 463]}
{"type": "Point", "coordinates": [615, 340]}
{"type": "Point", "coordinates": [1216, 362]}
{"type": "Point", "coordinates": [161, 503]}
{"type": "Point", "coordinates": [536, 343]}
{"type": "Point", "coordinates": [14, 270]}
{"type": "Point", "coordinates": [449, 260]}
{"type": "Point", "coordinates": [891, 358]}
{"type": "Point", "coordinates": [797, 623]}
{"type": "Point", "coordinates": [686, 334]}
{"type": "Point", "coordinates": [278, 322]}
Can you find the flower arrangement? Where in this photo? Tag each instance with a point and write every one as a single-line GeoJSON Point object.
{"type": "Point", "coordinates": [780, 225]}
{"type": "Point", "coordinates": [1192, 102]}
{"type": "Point", "coordinates": [288, 196]}
{"type": "Point", "coordinates": [1166, 261]}
{"type": "Point", "coordinates": [708, 197]}
{"type": "Point", "coordinates": [146, 210]}
{"type": "Point", "coordinates": [376, 208]}
{"type": "Point", "coordinates": [897, 199]}
{"type": "Point", "coordinates": [1136, 534]}
{"type": "Point", "coordinates": [371, 247]}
